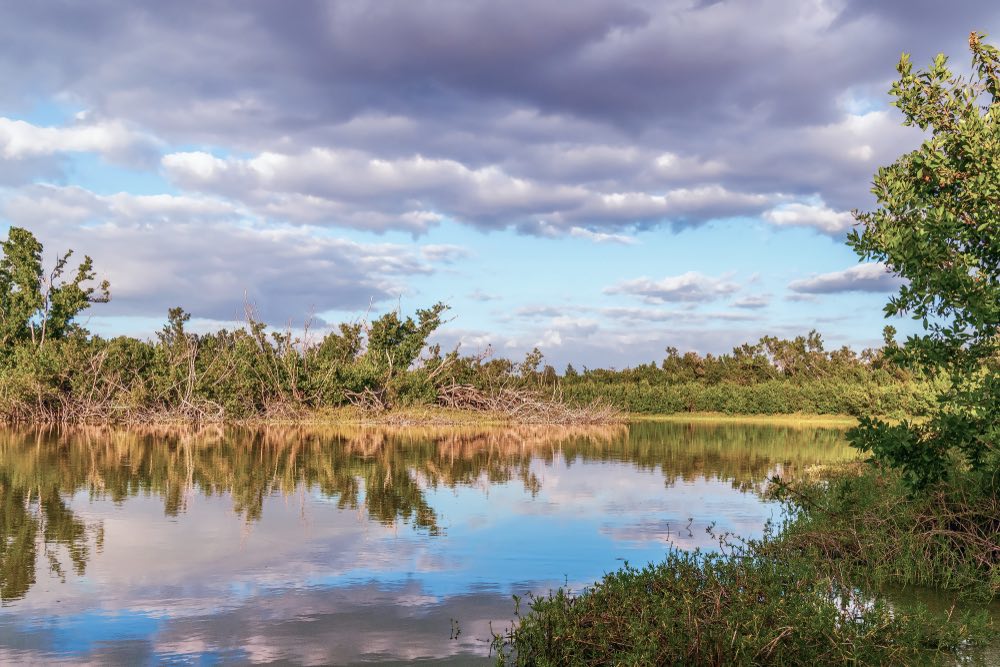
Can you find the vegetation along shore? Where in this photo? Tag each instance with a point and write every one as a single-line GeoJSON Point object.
{"type": "Point", "coordinates": [54, 370]}
{"type": "Point", "coordinates": [922, 510]}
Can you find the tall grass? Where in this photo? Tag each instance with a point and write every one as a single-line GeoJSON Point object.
{"type": "Point", "coordinates": [734, 608]}
{"type": "Point", "coordinates": [866, 523]}
{"type": "Point", "coordinates": [795, 598]}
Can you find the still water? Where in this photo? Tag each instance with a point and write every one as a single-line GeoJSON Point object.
{"type": "Point", "coordinates": [346, 545]}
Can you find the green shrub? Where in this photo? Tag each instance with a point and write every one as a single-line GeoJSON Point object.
{"type": "Point", "coordinates": [742, 608]}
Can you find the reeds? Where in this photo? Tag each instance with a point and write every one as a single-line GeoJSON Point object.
{"type": "Point", "coordinates": [867, 523]}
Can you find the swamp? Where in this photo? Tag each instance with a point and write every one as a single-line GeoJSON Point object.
{"type": "Point", "coordinates": [352, 544]}
{"type": "Point", "coordinates": [694, 476]}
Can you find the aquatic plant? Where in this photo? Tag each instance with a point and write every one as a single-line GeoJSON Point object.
{"type": "Point", "coordinates": [739, 607]}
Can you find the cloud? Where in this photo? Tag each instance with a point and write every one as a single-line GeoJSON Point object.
{"type": "Point", "coordinates": [692, 287]}
{"type": "Point", "coordinates": [539, 311]}
{"type": "Point", "coordinates": [20, 140]}
{"type": "Point", "coordinates": [161, 251]}
{"type": "Point", "coordinates": [599, 116]}
{"type": "Point", "coordinates": [445, 253]}
{"type": "Point", "coordinates": [685, 317]}
{"type": "Point", "coordinates": [596, 120]}
{"type": "Point", "coordinates": [602, 237]}
{"type": "Point", "coordinates": [334, 185]}
{"type": "Point", "coordinates": [753, 302]}
{"type": "Point", "coordinates": [482, 296]}
{"type": "Point", "coordinates": [873, 277]}
{"type": "Point", "coordinates": [817, 216]}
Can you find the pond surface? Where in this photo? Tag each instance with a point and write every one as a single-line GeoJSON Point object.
{"type": "Point", "coordinates": [349, 545]}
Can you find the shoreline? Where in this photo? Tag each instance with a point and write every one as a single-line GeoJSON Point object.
{"type": "Point", "coordinates": [784, 419]}
{"type": "Point", "coordinates": [443, 416]}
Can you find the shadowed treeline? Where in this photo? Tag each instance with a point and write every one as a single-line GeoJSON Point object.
{"type": "Point", "coordinates": [384, 472]}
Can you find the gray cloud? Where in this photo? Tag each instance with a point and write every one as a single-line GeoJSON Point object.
{"type": "Point", "coordinates": [444, 253]}
{"type": "Point", "coordinates": [597, 119]}
{"type": "Point", "coordinates": [162, 251]}
{"type": "Point", "coordinates": [753, 302]}
{"type": "Point", "coordinates": [861, 278]}
{"type": "Point", "coordinates": [482, 296]}
{"type": "Point", "coordinates": [596, 115]}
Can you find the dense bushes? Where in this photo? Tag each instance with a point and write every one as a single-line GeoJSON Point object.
{"type": "Point", "coordinates": [771, 397]}
{"type": "Point", "coordinates": [773, 376]}
{"type": "Point", "coordinates": [742, 608]}
{"type": "Point", "coordinates": [795, 598]}
{"type": "Point", "coordinates": [52, 369]}
{"type": "Point", "coordinates": [870, 526]}
{"type": "Point", "coordinates": [250, 372]}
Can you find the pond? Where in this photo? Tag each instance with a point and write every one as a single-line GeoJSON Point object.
{"type": "Point", "coordinates": [345, 545]}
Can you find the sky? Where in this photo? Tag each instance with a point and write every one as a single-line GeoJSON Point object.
{"type": "Point", "coordinates": [600, 179]}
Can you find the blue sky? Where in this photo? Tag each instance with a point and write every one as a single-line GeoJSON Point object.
{"type": "Point", "coordinates": [600, 179]}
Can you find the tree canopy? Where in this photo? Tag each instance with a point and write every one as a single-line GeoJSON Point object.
{"type": "Point", "coordinates": [37, 306]}
{"type": "Point", "coordinates": [937, 225]}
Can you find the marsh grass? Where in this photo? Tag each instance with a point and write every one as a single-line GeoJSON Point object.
{"type": "Point", "coordinates": [864, 522]}
{"type": "Point", "coordinates": [798, 419]}
{"type": "Point", "coordinates": [742, 607]}
{"type": "Point", "coordinates": [795, 597]}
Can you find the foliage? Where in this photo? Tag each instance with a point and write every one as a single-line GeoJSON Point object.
{"type": "Point", "coordinates": [734, 608]}
{"type": "Point", "coordinates": [938, 226]}
{"type": "Point", "coordinates": [52, 370]}
{"type": "Point", "coordinates": [794, 598]}
{"type": "Point", "coordinates": [33, 306]}
{"type": "Point", "coordinates": [868, 526]}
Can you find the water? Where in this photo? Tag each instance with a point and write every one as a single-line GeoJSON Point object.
{"type": "Point", "coordinates": [346, 545]}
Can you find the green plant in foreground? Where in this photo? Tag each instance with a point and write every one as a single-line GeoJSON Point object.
{"type": "Point", "coordinates": [938, 227]}
{"type": "Point", "coordinates": [868, 527]}
{"type": "Point", "coordinates": [739, 608]}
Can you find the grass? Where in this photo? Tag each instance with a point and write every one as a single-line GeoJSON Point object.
{"type": "Point", "coordinates": [444, 416]}
{"type": "Point", "coordinates": [863, 522]}
{"type": "Point", "coordinates": [793, 598]}
{"type": "Point", "coordinates": [737, 608]}
{"type": "Point", "coordinates": [792, 419]}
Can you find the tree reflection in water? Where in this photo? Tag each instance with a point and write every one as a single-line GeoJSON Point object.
{"type": "Point", "coordinates": [385, 472]}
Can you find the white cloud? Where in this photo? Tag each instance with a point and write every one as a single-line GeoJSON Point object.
{"type": "Point", "coordinates": [347, 187]}
{"type": "Point", "coordinates": [112, 138]}
{"type": "Point", "coordinates": [818, 216]}
{"type": "Point", "coordinates": [690, 287]}
{"type": "Point", "coordinates": [602, 237]}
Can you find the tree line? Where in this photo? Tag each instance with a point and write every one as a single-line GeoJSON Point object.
{"type": "Point", "coordinates": [51, 368]}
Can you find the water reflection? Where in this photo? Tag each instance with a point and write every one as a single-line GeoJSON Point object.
{"type": "Point", "coordinates": [320, 545]}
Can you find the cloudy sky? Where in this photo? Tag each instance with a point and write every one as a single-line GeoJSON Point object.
{"type": "Point", "coordinates": [601, 178]}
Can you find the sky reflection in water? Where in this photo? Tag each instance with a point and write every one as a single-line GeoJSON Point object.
{"type": "Point", "coordinates": [319, 546]}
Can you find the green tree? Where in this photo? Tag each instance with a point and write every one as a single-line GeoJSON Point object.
{"type": "Point", "coordinates": [37, 307]}
{"type": "Point", "coordinates": [937, 225]}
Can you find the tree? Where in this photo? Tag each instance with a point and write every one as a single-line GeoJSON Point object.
{"type": "Point", "coordinates": [937, 225]}
{"type": "Point", "coordinates": [37, 307]}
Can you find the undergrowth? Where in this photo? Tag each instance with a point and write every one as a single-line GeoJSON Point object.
{"type": "Point", "coordinates": [808, 595]}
